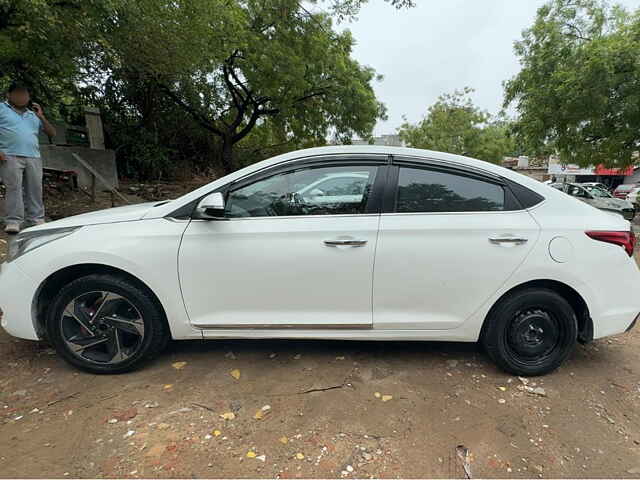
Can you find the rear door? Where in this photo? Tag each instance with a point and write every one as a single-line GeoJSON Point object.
{"type": "Point", "coordinates": [449, 239]}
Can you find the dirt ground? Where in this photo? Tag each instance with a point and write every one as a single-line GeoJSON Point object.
{"type": "Point", "coordinates": [327, 409]}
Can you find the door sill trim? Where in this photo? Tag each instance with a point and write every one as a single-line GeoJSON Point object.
{"type": "Point", "coordinates": [282, 326]}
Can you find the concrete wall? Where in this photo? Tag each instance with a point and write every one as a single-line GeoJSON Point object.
{"type": "Point", "coordinates": [103, 161]}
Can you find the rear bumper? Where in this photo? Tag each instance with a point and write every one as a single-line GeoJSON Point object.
{"type": "Point", "coordinates": [17, 292]}
{"type": "Point", "coordinates": [614, 324]}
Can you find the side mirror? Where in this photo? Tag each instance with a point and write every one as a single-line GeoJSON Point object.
{"type": "Point", "coordinates": [211, 207]}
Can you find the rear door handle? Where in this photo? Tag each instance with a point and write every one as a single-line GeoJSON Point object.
{"type": "Point", "coordinates": [345, 243]}
{"type": "Point", "coordinates": [514, 240]}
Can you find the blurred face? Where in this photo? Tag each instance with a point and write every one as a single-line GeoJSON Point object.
{"type": "Point", "coordinates": [20, 98]}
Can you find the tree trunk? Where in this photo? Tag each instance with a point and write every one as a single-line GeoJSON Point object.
{"type": "Point", "coordinates": [227, 154]}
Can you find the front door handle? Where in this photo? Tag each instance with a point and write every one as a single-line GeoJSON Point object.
{"type": "Point", "coordinates": [345, 243]}
{"type": "Point", "coordinates": [513, 240]}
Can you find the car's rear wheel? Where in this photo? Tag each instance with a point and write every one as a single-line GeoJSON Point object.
{"type": "Point", "coordinates": [530, 332]}
{"type": "Point", "coordinates": [106, 324]}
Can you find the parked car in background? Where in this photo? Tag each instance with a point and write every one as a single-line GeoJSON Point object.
{"type": "Point", "coordinates": [596, 184]}
{"type": "Point", "coordinates": [598, 198]}
{"type": "Point", "coordinates": [621, 191]}
{"type": "Point", "coordinates": [464, 250]}
{"type": "Point", "coordinates": [633, 197]}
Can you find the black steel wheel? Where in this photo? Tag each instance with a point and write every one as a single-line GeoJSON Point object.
{"type": "Point", "coordinates": [530, 332]}
{"type": "Point", "coordinates": [106, 324]}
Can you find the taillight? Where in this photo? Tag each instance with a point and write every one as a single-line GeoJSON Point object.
{"type": "Point", "coordinates": [626, 240]}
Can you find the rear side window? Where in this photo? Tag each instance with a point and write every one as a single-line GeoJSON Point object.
{"type": "Point", "coordinates": [422, 190]}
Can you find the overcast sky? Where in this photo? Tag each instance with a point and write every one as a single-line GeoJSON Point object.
{"type": "Point", "coordinates": [440, 46]}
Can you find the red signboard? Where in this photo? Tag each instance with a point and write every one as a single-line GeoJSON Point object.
{"type": "Point", "coordinates": [600, 170]}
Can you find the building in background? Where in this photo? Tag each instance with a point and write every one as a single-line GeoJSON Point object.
{"type": "Point", "coordinates": [384, 140]}
{"type": "Point", "coordinates": [611, 177]}
{"type": "Point", "coordinates": [551, 168]}
{"type": "Point", "coordinates": [535, 168]}
{"type": "Point", "coordinates": [633, 178]}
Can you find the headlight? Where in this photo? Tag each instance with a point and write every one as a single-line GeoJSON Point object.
{"type": "Point", "coordinates": [26, 241]}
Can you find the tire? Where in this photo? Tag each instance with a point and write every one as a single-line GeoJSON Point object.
{"type": "Point", "coordinates": [530, 332]}
{"type": "Point", "coordinates": [106, 324]}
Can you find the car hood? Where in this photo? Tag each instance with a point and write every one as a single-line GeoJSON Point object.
{"type": "Point", "coordinates": [611, 203]}
{"type": "Point", "coordinates": [109, 215]}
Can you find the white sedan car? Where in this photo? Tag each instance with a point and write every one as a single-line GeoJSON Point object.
{"type": "Point", "coordinates": [418, 245]}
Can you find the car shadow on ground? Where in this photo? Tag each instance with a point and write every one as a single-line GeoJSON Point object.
{"type": "Point", "coordinates": [425, 352]}
{"type": "Point", "coordinates": [595, 356]}
{"type": "Point", "coordinates": [329, 348]}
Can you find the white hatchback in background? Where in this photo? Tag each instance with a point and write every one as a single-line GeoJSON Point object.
{"type": "Point", "coordinates": [400, 244]}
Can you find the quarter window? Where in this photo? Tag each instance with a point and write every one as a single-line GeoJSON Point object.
{"type": "Point", "coordinates": [308, 191]}
{"type": "Point", "coordinates": [421, 190]}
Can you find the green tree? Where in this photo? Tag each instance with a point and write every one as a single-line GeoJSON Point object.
{"type": "Point", "coordinates": [349, 8]}
{"type": "Point", "coordinates": [40, 41]}
{"type": "Point", "coordinates": [578, 93]}
{"type": "Point", "coordinates": [234, 64]}
{"type": "Point", "coordinates": [455, 125]}
{"type": "Point", "coordinates": [169, 74]}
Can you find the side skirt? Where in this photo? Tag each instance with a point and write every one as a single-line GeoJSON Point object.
{"type": "Point", "coordinates": [457, 335]}
{"type": "Point", "coordinates": [310, 326]}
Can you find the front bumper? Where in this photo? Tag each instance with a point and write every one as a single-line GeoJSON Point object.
{"type": "Point", "coordinates": [17, 292]}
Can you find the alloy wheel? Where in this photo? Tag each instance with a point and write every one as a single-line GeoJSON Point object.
{"type": "Point", "coordinates": [102, 327]}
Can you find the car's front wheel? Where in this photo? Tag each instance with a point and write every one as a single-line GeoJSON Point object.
{"type": "Point", "coordinates": [530, 332]}
{"type": "Point", "coordinates": [106, 324]}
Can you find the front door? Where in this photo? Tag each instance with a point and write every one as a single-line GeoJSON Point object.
{"type": "Point", "coordinates": [448, 244]}
{"type": "Point", "coordinates": [295, 252]}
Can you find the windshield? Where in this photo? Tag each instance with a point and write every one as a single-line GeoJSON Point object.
{"type": "Point", "coordinates": [597, 191]}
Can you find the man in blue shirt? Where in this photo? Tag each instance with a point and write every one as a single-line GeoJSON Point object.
{"type": "Point", "coordinates": [20, 162]}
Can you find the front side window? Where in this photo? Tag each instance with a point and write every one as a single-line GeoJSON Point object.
{"type": "Point", "coordinates": [307, 191]}
{"type": "Point", "coordinates": [421, 190]}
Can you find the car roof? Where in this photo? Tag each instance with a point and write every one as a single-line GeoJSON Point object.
{"type": "Point", "coordinates": [415, 154]}
{"type": "Point", "coordinates": [337, 153]}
